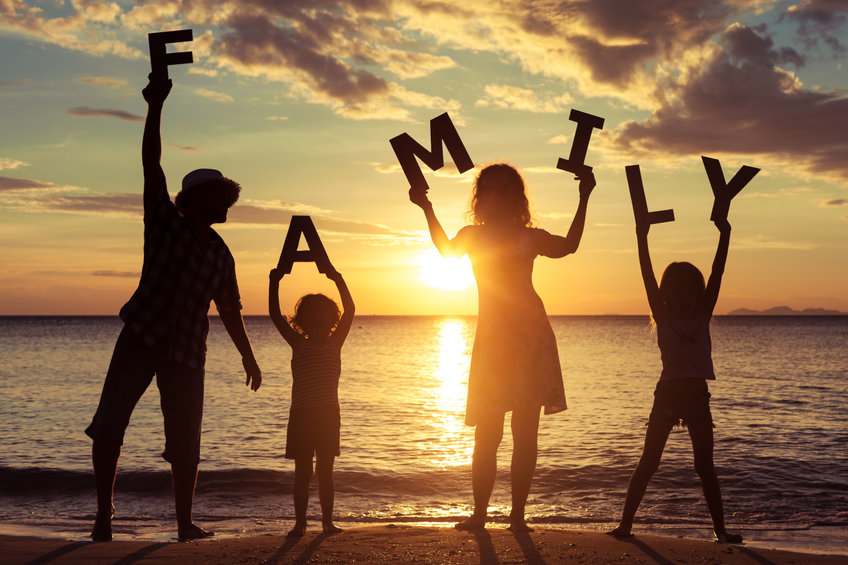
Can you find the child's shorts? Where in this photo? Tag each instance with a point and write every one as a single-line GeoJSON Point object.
{"type": "Point", "coordinates": [313, 430]}
{"type": "Point", "coordinates": [682, 402]}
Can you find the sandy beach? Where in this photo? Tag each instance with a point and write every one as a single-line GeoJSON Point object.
{"type": "Point", "coordinates": [391, 544]}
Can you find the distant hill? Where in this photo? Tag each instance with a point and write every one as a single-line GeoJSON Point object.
{"type": "Point", "coordinates": [786, 311]}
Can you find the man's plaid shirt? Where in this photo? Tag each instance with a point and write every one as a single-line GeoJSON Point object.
{"type": "Point", "coordinates": [179, 278]}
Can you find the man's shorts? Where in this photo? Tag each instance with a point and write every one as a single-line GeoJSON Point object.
{"type": "Point", "coordinates": [180, 391]}
{"type": "Point", "coordinates": [313, 430]}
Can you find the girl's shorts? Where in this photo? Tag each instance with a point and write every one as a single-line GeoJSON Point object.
{"type": "Point", "coordinates": [682, 402]}
{"type": "Point", "coordinates": [313, 431]}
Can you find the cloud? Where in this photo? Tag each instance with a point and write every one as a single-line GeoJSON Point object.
{"type": "Point", "coordinates": [14, 82]}
{"type": "Point", "coordinates": [522, 99]}
{"type": "Point", "coordinates": [743, 103]}
{"type": "Point", "coordinates": [559, 139]}
{"type": "Point", "coordinates": [10, 184]}
{"type": "Point", "coordinates": [835, 202]}
{"type": "Point", "coordinates": [819, 21]}
{"type": "Point", "coordinates": [111, 83]}
{"type": "Point", "coordinates": [120, 274]}
{"type": "Point", "coordinates": [277, 118]}
{"type": "Point", "coordinates": [86, 112]}
{"type": "Point", "coordinates": [212, 95]}
{"type": "Point", "coordinates": [11, 164]}
{"type": "Point", "coordinates": [186, 148]}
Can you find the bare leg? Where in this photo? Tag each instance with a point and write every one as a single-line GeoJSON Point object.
{"type": "Point", "coordinates": [484, 466]}
{"type": "Point", "coordinates": [326, 492]}
{"type": "Point", "coordinates": [702, 448]}
{"type": "Point", "coordinates": [302, 478]}
{"type": "Point", "coordinates": [104, 459]}
{"type": "Point", "coordinates": [525, 434]}
{"type": "Point", "coordinates": [655, 439]}
{"type": "Point", "coordinates": [184, 476]}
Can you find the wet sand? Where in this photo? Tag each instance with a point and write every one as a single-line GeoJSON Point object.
{"type": "Point", "coordinates": [391, 544]}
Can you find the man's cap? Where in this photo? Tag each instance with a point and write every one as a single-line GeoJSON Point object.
{"type": "Point", "coordinates": [203, 176]}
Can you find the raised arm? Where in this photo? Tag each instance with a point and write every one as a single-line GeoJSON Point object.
{"type": "Point", "coordinates": [714, 283]}
{"type": "Point", "coordinates": [155, 94]}
{"type": "Point", "coordinates": [234, 324]}
{"type": "Point", "coordinates": [558, 246]}
{"type": "Point", "coordinates": [648, 277]}
{"type": "Point", "coordinates": [447, 247]}
{"type": "Point", "coordinates": [280, 321]}
{"type": "Point", "coordinates": [348, 308]}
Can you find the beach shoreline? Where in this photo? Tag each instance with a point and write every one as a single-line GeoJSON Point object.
{"type": "Point", "coordinates": [391, 543]}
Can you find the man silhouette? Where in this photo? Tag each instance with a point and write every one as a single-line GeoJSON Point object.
{"type": "Point", "coordinates": [186, 266]}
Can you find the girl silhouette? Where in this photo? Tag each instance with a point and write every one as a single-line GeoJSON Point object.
{"type": "Point", "coordinates": [681, 307]}
{"type": "Point", "coordinates": [514, 363]}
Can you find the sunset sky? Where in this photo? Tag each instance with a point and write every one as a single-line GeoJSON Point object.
{"type": "Point", "coordinates": [297, 100]}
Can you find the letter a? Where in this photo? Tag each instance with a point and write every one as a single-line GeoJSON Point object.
{"type": "Point", "coordinates": [159, 58]}
{"type": "Point", "coordinates": [723, 192]}
{"type": "Point", "coordinates": [303, 225]}
{"type": "Point", "coordinates": [640, 204]}
{"type": "Point", "coordinates": [442, 130]}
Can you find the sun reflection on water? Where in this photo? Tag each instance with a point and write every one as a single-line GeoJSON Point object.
{"type": "Point", "coordinates": [453, 442]}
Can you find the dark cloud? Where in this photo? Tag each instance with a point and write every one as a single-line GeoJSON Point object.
{"type": "Point", "coordinates": [819, 20]}
{"type": "Point", "coordinates": [256, 41]}
{"type": "Point", "coordinates": [250, 214]}
{"type": "Point", "coordinates": [836, 202]}
{"type": "Point", "coordinates": [85, 112]}
{"type": "Point", "coordinates": [743, 103]}
{"type": "Point", "coordinates": [9, 183]}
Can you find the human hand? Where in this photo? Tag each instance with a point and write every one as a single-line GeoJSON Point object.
{"type": "Point", "coordinates": [419, 198]}
{"type": "Point", "coordinates": [276, 275]}
{"type": "Point", "coordinates": [157, 89]}
{"type": "Point", "coordinates": [254, 375]}
{"type": "Point", "coordinates": [587, 183]}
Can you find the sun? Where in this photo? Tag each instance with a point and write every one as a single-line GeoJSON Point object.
{"type": "Point", "coordinates": [447, 274]}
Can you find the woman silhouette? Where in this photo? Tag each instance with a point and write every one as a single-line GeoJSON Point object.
{"type": "Point", "coordinates": [514, 363]}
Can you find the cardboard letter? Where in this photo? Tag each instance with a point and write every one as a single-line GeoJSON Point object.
{"type": "Point", "coordinates": [724, 192]}
{"type": "Point", "coordinates": [303, 225]}
{"type": "Point", "coordinates": [640, 204]}
{"type": "Point", "coordinates": [442, 130]}
{"type": "Point", "coordinates": [159, 58]}
{"type": "Point", "coordinates": [580, 144]}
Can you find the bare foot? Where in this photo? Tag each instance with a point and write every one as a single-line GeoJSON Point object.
{"type": "Point", "coordinates": [193, 532]}
{"type": "Point", "coordinates": [724, 537]}
{"type": "Point", "coordinates": [519, 527]}
{"type": "Point", "coordinates": [298, 531]}
{"type": "Point", "coordinates": [620, 532]}
{"type": "Point", "coordinates": [330, 528]}
{"type": "Point", "coordinates": [102, 530]}
{"type": "Point", "coordinates": [471, 523]}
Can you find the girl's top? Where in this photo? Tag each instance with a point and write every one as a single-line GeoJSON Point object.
{"type": "Point", "coordinates": [514, 362]}
{"type": "Point", "coordinates": [316, 368]}
{"type": "Point", "coordinates": [685, 346]}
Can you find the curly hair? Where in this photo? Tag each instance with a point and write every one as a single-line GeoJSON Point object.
{"type": "Point", "coordinates": [504, 180]}
{"type": "Point", "coordinates": [227, 188]}
{"type": "Point", "coordinates": [315, 309]}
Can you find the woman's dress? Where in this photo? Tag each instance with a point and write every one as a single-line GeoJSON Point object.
{"type": "Point", "coordinates": [514, 362]}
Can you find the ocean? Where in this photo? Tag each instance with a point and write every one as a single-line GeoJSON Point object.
{"type": "Point", "coordinates": [780, 405]}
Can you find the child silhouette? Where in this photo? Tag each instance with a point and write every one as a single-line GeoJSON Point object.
{"type": "Point", "coordinates": [681, 307]}
{"type": "Point", "coordinates": [316, 334]}
{"type": "Point", "coordinates": [514, 363]}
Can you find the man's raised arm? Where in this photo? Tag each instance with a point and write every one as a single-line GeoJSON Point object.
{"type": "Point", "coordinates": [155, 94]}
